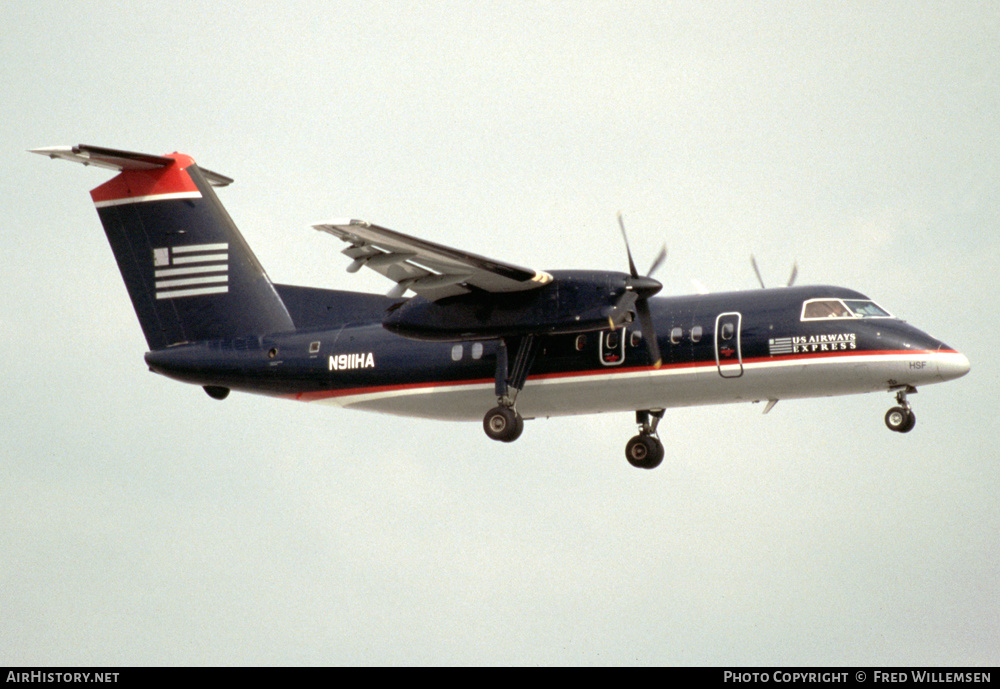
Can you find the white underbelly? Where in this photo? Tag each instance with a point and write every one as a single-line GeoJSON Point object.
{"type": "Point", "coordinates": [614, 390]}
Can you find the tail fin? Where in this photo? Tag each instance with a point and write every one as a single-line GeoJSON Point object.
{"type": "Point", "coordinates": [188, 270]}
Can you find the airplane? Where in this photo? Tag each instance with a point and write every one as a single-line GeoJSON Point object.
{"type": "Point", "coordinates": [478, 335]}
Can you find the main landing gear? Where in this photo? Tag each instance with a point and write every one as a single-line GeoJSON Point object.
{"type": "Point", "coordinates": [503, 422]}
{"type": "Point", "coordinates": [901, 419]}
{"type": "Point", "coordinates": [645, 451]}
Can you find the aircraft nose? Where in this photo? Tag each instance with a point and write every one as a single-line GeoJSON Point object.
{"type": "Point", "coordinates": [951, 364]}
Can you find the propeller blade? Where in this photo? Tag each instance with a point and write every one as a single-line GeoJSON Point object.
{"type": "Point", "coordinates": [638, 290]}
{"type": "Point", "coordinates": [620, 310]}
{"type": "Point", "coordinates": [631, 263]}
{"type": "Point", "coordinates": [658, 261]}
{"type": "Point", "coordinates": [753, 262]}
{"type": "Point", "coordinates": [795, 274]}
{"type": "Point", "coordinates": [648, 332]}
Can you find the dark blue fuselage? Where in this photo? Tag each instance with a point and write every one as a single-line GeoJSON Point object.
{"type": "Point", "coordinates": [356, 356]}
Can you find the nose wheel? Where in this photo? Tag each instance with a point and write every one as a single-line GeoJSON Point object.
{"type": "Point", "coordinates": [901, 419]}
{"type": "Point", "coordinates": [645, 451]}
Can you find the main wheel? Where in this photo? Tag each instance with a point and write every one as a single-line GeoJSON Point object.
{"type": "Point", "coordinates": [503, 424]}
{"type": "Point", "coordinates": [644, 452]}
{"type": "Point", "coordinates": [900, 420]}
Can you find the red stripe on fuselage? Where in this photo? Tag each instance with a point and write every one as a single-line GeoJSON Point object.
{"type": "Point", "coordinates": [147, 184]}
{"type": "Point", "coordinates": [375, 389]}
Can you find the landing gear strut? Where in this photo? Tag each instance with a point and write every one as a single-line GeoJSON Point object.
{"type": "Point", "coordinates": [645, 451]}
{"type": "Point", "coordinates": [901, 419]}
{"type": "Point", "coordinates": [503, 422]}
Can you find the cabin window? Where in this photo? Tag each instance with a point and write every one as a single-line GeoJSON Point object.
{"type": "Point", "coordinates": [675, 335]}
{"type": "Point", "coordinates": [314, 347]}
{"type": "Point", "coordinates": [696, 333]}
{"type": "Point", "coordinates": [477, 350]}
{"type": "Point", "coordinates": [636, 339]}
{"type": "Point", "coordinates": [826, 309]}
{"type": "Point", "coordinates": [456, 352]}
{"type": "Point", "coordinates": [580, 343]}
{"type": "Point", "coordinates": [728, 330]}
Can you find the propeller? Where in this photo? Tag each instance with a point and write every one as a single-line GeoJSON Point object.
{"type": "Point", "coordinates": [791, 278]}
{"type": "Point", "coordinates": [753, 262]}
{"type": "Point", "coordinates": [638, 290]}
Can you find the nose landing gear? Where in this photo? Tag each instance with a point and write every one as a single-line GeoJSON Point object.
{"type": "Point", "coordinates": [645, 451]}
{"type": "Point", "coordinates": [901, 419]}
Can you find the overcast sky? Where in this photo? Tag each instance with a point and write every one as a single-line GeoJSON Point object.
{"type": "Point", "coordinates": [143, 523]}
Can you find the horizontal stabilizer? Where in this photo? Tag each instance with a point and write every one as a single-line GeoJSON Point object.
{"type": "Point", "coordinates": [113, 159]}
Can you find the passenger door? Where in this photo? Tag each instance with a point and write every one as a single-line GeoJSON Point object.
{"type": "Point", "coordinates": [612, 347]}
{"type": "Point", "coordinates": [728, 355]}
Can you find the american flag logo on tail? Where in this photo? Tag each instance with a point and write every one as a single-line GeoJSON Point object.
{"type": "Point", "coordinates": [192, 270]}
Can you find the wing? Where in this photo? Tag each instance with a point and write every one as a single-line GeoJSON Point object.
{"type": "Point", "coordinates": [431, 270]}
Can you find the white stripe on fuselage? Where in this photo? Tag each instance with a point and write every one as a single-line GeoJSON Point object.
{"type": "Point", "coordinates": [669, 386]}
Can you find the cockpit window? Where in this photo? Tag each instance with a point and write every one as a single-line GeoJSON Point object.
{"type": "Point", "coordinates": [824, 309]}
{"type": "Point", "coordinates": [866, 309]}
